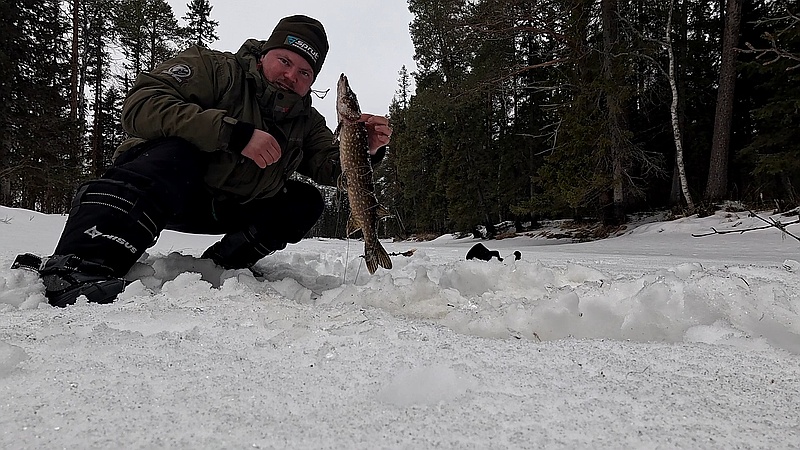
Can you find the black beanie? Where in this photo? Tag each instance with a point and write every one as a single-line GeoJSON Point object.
{"type": "Point", "coordinates": [302, 35]}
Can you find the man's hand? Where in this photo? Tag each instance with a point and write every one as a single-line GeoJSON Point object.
{"type": "Point", "coordinates": [378, 130]}
{"type": "Point", "coordinates": [263, 149]}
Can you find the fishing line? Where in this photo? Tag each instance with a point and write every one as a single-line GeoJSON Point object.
{"type": "Point", "coordinates": [358, 271]}
{"type": "Point", "coordinates": [346, 260]}
{"type": "Point", "coordinates": [339, 199]}
{"type": "Point", "coordinates": [321, 94]}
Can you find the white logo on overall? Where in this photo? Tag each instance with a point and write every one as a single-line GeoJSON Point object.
{"type": "Point", "coordinates": [95, 233]}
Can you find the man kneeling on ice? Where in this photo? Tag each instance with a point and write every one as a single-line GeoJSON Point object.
{"type": "Point", "coordinates": [215, 137]}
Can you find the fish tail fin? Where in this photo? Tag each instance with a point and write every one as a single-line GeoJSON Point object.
{"type": "Point", "coordinates": [375, 255]}
{"type": "Point", "coordinates": [383, 258]}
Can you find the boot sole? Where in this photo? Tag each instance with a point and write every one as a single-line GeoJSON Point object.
{"type": "Point", "coordinates": [103, 292]}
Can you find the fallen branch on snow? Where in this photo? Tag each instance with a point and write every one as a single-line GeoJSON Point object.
{"type": "Point", "coordinates": [770, 224]}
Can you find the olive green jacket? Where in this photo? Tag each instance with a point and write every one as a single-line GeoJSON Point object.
{"type": "Point", "coordinates": [213, 99]}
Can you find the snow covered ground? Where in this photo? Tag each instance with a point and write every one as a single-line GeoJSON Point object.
{"type": "Point", "coordinates": [653, 339]}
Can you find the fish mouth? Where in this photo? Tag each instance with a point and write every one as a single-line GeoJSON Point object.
{"type": "Point", "coordinates": [343, 86]}
{"type": "Point", "coordinates": [346, 102]}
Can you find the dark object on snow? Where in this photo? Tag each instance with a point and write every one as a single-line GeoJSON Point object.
{"type": "Point", "coordinates": [479, 251]}
{"type": "Point", "coordinates": [407, 253]}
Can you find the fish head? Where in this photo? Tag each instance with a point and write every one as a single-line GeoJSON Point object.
{"type": "Point", "coordinates": [346, 101]}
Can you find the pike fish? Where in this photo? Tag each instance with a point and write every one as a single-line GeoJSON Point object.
{"type": "Point", "coordinates": [365, 212]}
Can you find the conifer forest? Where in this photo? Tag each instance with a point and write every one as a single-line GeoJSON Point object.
{"type": "Point", "coordinates": [518, 110]}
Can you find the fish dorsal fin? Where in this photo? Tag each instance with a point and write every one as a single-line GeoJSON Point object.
{"type": "Point", "coordinates": [338, 132]}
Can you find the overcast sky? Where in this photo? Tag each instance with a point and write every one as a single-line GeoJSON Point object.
{"type": "Point", "coordinates": [369, 42]}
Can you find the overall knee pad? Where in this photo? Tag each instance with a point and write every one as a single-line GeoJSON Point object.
{"type": "Point", "coordinates": [111, 223]}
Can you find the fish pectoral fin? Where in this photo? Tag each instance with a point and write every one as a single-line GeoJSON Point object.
{"type": "Point", "coordinates": [383, 213]}
{"type": "Point", "coordinates": [352, 226]}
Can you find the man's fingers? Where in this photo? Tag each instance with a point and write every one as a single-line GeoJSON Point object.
{"type": "Point", "coordinates": [373, 120]}
{"type": "Point", "coordinates": [380, 131]}
{"type": "Point", "coordinates": [271, 154]}
{"type": "Point", "coordinates": [263, 149]}
{"type": "Point", "coordinates": [383, 130]}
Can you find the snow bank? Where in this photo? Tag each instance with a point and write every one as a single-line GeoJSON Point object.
{"type": "Point", "coordinates": [510, 299]}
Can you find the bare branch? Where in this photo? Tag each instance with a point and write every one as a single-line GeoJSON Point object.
{"type": "Point", "coordinates": [771, 223]}
{"type": "Point", "coordinates": [775, 51]}
{"type": "Point", "coordinates": [777, 224]}
{"type": "Point", "coordinates": [5, 172]}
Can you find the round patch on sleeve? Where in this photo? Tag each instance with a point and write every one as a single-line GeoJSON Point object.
{"type": "Point", "coordinates": [180, 72]}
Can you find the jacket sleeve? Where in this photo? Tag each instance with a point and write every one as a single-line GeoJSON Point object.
{"type": "Point", "coordinates": [320, 153]}
{"type": "Point", "coordinates": [178, 99]}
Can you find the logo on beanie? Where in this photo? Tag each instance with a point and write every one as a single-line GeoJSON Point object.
{"type": "Point", "coordinates": [296, 42]}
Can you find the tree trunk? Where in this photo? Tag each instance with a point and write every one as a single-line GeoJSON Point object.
{"type": "Point", "coordinates": [791, 194]}
{"type": "Point", "coordinates": [676, 129]}
{"type": "Point", "coordinates": [98, 163]}
{"type": "Point", "coordinates": [5, 174]}
{"type": "Point", "coordinates": [616, 113]}
{"type": "Point", "coordinates": [717, 187]}
{"type": "Point", "coordinates": [679, 47]}
{"type": "Point", "coordinates": [73, 98]}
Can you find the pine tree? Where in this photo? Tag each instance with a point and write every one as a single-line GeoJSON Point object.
{"type": "Point", "coordinates": [147, 32]}
{"type": "Point", "coordinates": [162, 33]}
{"type": "Point", "coordinates": [717, 187]}
{"type": "Point", "coordinates": [200, 29]}
{"type": "Point", "coordinates": [98, 35]}
{"type": "Point", "coordinates": [11, 31]}
{"type": "Point", "coordinates": [108, 133]}
{"type": "Point", "coordinates": [129, 27]}
{"type": "Point", "coordinates": [772, 80]}
{"type": "Point", "coordinates": [403, 93]}
{"type": "Point", "coordinates": [391, 193]}
{"type": "Point", "coordinates": [428, 167]}
{"type": "Point", "coordinates": [571, 178]}
{"type": "Point", "coordinates": [38, 166]}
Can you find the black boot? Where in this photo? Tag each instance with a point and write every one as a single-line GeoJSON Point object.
{"type": "Point", "coordinates": [241, 250]}
{"type": "Point", "coordinates": [66, 277]}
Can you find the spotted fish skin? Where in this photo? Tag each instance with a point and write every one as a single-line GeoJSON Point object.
{"type": "Point", "coordinates": [357, 172]}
